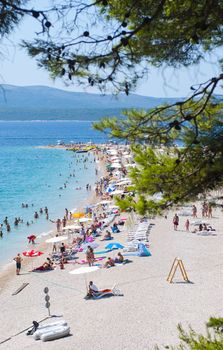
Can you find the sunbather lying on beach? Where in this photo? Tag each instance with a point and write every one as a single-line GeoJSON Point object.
{"type": "Point", "coordinates": [203, 227]}
{"type": "Point", "coordinates": [47, 265]}
{"type": "Point", "coordinates": [93, 291]}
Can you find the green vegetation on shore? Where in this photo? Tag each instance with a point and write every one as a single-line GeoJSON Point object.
{"type": "Point", "coordinates": [190, 340]}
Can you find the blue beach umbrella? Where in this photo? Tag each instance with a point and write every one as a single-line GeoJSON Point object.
{"type": "Point", "coordinates": [110, 189]}
{"type": "Point", "coordinates": [114, 246]}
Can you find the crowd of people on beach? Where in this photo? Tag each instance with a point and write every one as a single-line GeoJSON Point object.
{"type": "Point", "coordinates": [87, 233]}
{"type": "Point", "coordinates": [206, 212]}
{"type": "Point", "coordinates": [13, 224]}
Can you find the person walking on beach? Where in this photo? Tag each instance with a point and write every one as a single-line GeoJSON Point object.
{"type": "Point", "coordinates": [55, 245]}
{"type": "Point", "coordinates": [209, 211]}
{"type": "Point", "coordinates": [175, 222]}
{"type": "Point", "coordinates": [187, 225]}
{"type": "Point", "coordinates": [90, 256]}
{"type": "Point", "coordinates": [194, 211]}
{"type": "Point", "coordinates": [58, 224]}
{"type": "Point", "coordinates": [18, 261]}
{"type": "Point", "coordinates": [64, 221]}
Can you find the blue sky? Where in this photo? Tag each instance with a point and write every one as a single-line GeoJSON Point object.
{"type": "Point", "coordinates": [18, 69]}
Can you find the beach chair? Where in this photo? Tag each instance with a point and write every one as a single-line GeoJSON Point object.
{"type": "Point", "coordinates": [131, 246]}
{"type": "Point", "coordinates": [114, 291]}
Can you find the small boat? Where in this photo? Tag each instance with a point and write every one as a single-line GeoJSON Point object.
{"type": "Point", "coordinates": [82, 151]}
{"type": "Point", "coordinates": [56, 333]}
{"type": "Point", "coordinates": [60, 143]}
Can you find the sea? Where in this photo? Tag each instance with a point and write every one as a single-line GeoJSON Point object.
{"type": "Point", "coordinates": [41, 177]}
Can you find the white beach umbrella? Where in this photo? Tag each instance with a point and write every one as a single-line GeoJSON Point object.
{"type": "Point", "coordinates": [105, 202]}
{"type": "Point", "coordinates": [133, 165]}
{"type": "Point", "coordinates": [93, 245]}
{"type": "Point", "coordinates": [84, 269]}
{"type": "Point", "coordinates": [127, 156]}
{"type": "Point", "coordinates": [116, 192]}
{"type": "Point", "coordinates": [157, 196]}
{"type": "Point", "coordinates": [123, 182]}
{"type": "Point", "coordinates": [113, 207]}
{"type": "Point", "coordinates": [199, 222]}
{"type": "Point", "coordinates": [56, 239]}
{"type": "Point", "coordinates": [116, 165]}
{"type": "Point", "coordinates": [72, 227]}
{"type": "Point", "coordinates": [85, 219]}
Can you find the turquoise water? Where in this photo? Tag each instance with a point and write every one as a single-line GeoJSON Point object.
{"type": "Point", "coordinates": [36, 176]}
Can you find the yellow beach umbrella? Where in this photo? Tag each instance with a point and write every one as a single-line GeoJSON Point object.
{"type": "Point", "coordinates": [77, 215]}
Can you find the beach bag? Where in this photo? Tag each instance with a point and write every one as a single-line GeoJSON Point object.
{"type": "Point", "coordinates": [33, 329]}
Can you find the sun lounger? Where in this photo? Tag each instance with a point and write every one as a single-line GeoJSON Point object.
{"type": "Point", "coordinates": [140, 231]}
{"type": "Point", "coordinates": [107, 239]}
{"type": "Point", "coordinates": [205, 233]}
{"type": "Point", "coordinates": [131, 253]}
{"type": "Point", "coordinates": [114, 291]}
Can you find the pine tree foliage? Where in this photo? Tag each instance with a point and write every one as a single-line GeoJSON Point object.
{"type": "Point", "coordinates": [190, 340]}
{"type": "Point", "coordinates": [178, 174]}
{"type": "Point", "coordinates": [111, 44]}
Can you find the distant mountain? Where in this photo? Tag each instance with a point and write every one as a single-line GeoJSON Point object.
{"type": "Point", "coordinates": [46, 103]}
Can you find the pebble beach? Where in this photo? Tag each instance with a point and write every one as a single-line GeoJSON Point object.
{"type": "Point", "coordinates": [148, 312]}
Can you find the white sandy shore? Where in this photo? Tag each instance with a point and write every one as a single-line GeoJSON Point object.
{"type": "Point", "coordinates": [150, 309]}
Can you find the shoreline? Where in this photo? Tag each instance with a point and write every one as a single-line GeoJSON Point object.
{"type": "Point", "coordinates": [136, 319]}
{"type": "Point", "coordinates": [7, 273]}
{"type": "Point", "coordinates": [64, 189]}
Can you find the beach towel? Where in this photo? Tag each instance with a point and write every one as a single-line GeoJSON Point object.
{"type": "Point", "coordinates": [103, 251]}
{"type": "Point", "coordinates": [131, 254]}
{"type": "Point", "coordinates": [89, 239]}
{"type": "Point", "coordinates": [83, 261]}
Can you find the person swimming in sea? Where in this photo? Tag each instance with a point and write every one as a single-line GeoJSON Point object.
{"type": "Point", "coordinates": [16, 222]}
{"type": "Point", "coordinates": [1, 232]}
